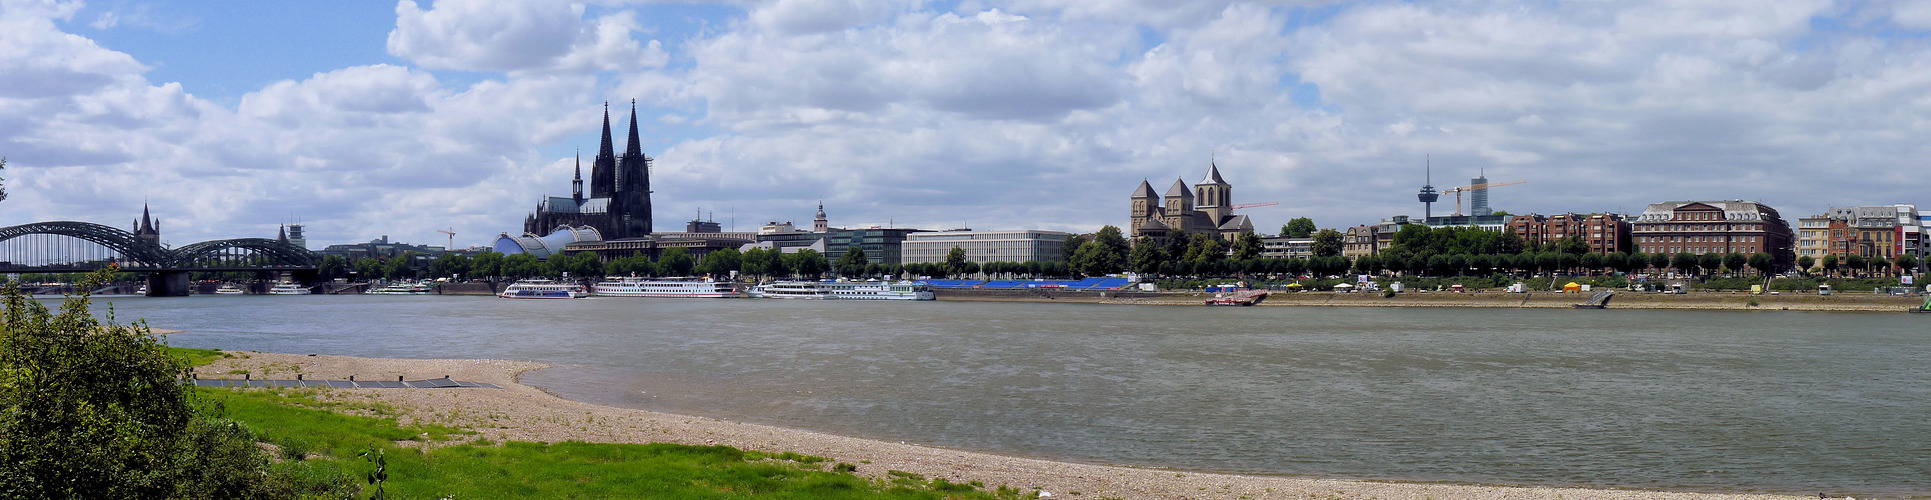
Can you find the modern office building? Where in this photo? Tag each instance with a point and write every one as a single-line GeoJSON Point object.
{"type": "Point", "coordinates": [881, 245]}
{"type": "Point", "coordinates": [985, 246]}
{"type": "Point", "coordinates": [1285, 247]}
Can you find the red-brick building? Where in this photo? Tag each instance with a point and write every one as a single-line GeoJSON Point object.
{"type": "Point", "coordinates": [1605, 233]}
{"type": "Point", "coordinates": [1713, 226]}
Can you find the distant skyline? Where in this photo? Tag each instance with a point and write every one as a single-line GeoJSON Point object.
{"type": "Point", "coordinates": [365, 119]}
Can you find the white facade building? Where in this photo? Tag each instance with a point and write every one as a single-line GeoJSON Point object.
{"type": "Point", "coordinates": [985, 246]}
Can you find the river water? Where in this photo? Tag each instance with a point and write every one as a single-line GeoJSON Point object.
{"type": "Point", "coordinates": [1731, 401]}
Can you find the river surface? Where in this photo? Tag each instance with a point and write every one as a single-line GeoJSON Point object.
{"type": "Point", "coordinates": [1727, 401]}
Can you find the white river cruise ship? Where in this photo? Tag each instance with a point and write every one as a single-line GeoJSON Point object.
{"type": "Point", "coordinates": [845, 290]}
{"type": "Point", "coordinates": [705, 288]}
{"type": "Point", "coordinates": [543, 289]}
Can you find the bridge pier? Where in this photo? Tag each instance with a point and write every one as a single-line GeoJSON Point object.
{"type": "Point", "coordinates": [168, 284]}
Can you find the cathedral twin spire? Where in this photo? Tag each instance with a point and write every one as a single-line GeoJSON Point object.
{"type": "Point", "coordinates": [610, 173]}
{"type": "Point", "coordinates": [621, 182]}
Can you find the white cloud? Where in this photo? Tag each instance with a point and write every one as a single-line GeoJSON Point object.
{"type": "Point", "coordinates": [1030, 113]}
{"type": "Point", "coordinates": [542, 35]}
{"type": "Point", "coordinates": [481, 35]}
{"type": "Point", "coordinates": [803, 17]}
{"type": "Point", "coordinates": [1913, 15]}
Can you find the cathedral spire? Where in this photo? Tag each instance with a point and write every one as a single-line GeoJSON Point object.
{"type": "Point", "coordinates": [606, 149]}
{"type": "Point", "coordinates": [603, 170]}
{"type": "Point", "coordinates": [635, 148]}
{"type": "Point", "coordinates": [576, 184]}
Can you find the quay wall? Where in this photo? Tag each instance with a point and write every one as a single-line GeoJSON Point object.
{"type": "Point", "coordinates": [468, 288]}
{"type": "Point", "coordinates": [1623, 299]}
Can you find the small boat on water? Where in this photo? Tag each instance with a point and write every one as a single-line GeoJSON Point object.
{"type": "Point", "coordinates": [845, 290]}
{"type": "Point", "coordinates": [666, 287]}
{"type": "Point", "coordinates": [543, 289]}
{"type": "Point", "coordinates": [286, 288]}
{"type": "Point", "coordinates": [1926, 308]}
{"type": "Point", "coordinates": [229, 289]}
{"type": "Point", "coordinates": [402, 288]}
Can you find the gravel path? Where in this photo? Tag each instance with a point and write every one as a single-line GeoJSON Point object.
{"type": "Point", "coordinates": [524, 413]}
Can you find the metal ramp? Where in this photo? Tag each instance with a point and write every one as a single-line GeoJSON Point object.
{"type": "Point", "coordinates": [1599, 301]}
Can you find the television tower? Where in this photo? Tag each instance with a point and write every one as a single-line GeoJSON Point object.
{"type": "Point", "coordinates": [1428, 194]}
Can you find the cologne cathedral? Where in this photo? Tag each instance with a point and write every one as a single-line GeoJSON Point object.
{"type": "Point", "coordinates": [618, 206]}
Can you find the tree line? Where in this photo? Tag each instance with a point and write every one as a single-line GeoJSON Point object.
{"type": "Point", "coordinates": [1415, 250]}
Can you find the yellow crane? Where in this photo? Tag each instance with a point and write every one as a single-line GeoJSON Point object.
{"type": "Point", "coordinates": [452, 237]}
{"type": "Point", "coordinates": [1458, 191]}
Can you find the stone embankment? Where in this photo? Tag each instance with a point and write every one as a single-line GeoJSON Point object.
{"type": "Point", "coordinates": [1558, 300]}
{"type": "Point", "coordinates": [469, 288]}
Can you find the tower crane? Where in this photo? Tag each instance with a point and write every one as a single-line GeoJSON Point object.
{"type": "Point", "coordinates": [1254, 205]}
{"type": "Point", "coordinates": [452, 238]}
{"type": "Point", "coordinates": [1458, 191]}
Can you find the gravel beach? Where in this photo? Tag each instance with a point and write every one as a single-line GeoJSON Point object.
{"type": "Point", "coordinates": [524, 413]}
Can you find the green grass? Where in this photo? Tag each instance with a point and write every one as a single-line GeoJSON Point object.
{"type": "Point", "coordinates": [197, 357]}
{"type": "Point", "coordinates": [320, 442]}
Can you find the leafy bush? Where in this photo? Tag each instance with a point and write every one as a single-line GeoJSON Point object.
{"type": "Point", "coordinates": [93, 409]}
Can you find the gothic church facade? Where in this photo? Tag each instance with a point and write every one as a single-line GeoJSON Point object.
{"type": "Point", "coordinates": [618, 205]}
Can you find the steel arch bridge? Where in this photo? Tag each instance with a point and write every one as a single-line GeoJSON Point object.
{"type": "Point", "coordinates": [213, 253]}
{"type": "Point", "coordinates": [52, 247]}
{"type": "Point", "coordinates": [121, 242]}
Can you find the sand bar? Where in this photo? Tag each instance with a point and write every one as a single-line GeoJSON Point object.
{"type": "Point", "coordinates": [524, 413]}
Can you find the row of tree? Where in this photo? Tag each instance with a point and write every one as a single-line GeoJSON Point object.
{"type": "Point", "coordinates": [1854, 264]}
{"type": "Point", "coordinates": [675, 261]}
{"type": "Point", "coordinates": [1415, 249]}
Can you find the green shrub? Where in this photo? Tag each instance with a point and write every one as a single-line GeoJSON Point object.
{"type": "Point", "coordinates": [94, 409]}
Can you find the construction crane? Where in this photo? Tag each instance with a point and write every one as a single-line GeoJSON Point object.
{"type": "Point", "coordinates": [1254, 205]}
{"type": "Point", "coordinates": [452, 238]}
{"type": "Point", "coordinates": [1458, 192]}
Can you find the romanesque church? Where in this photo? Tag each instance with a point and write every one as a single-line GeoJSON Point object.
{"type": "Point", "coordinates": [1208, 207]}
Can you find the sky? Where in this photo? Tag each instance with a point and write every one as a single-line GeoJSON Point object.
{"type": "Point", "coordinates": [365, 119]}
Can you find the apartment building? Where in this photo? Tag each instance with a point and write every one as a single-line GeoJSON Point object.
{"type": "Point", "coordinates": [1605, 233]}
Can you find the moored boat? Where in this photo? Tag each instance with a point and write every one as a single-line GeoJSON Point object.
{"type": "Point", "coordinates": [845, 290]}
{"type": "Point", "coordinates": [229, 289]}
{"type": "Point", "coordinates": [286, 288]}
{"type": "Point", "coordinates": [543, 289]}
{"type": "Point", "coordinates": [1241, 298]}
{"type": "Point", "coordinates": [665, 287]}
{"type": "Point", "coordinates": [402, 288]}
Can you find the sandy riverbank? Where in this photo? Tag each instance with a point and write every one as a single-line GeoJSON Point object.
{"type": "Point", "coordinates": [525, 413]}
